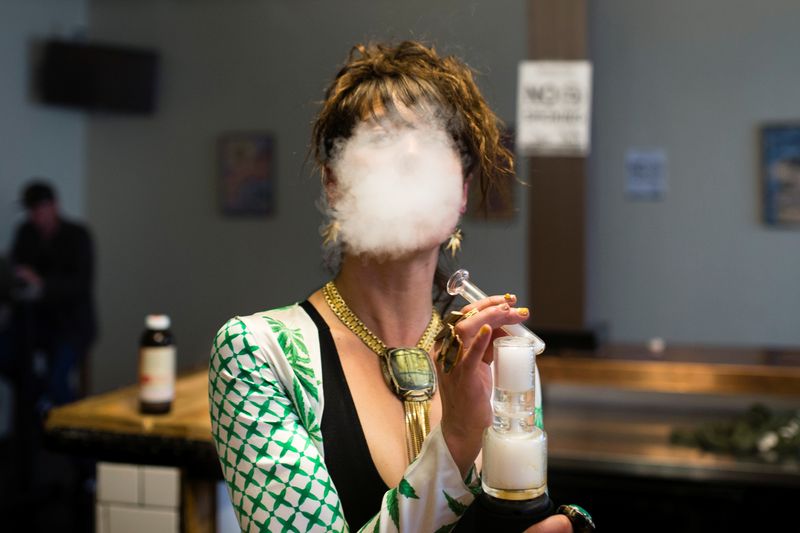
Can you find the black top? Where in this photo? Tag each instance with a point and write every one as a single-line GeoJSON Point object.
{"type": "Point", "coordinates": [347, 457]}
{"type": "Point", "coordinates": [65, 264]}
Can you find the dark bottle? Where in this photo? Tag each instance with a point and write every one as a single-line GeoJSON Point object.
{"type": "Point", "coordinates": [156, 366]}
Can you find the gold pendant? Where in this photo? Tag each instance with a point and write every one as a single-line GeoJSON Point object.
{"type": "Point", "coordinates": [417, 426]}
{"type": "Point", "coordinates": [409, 372]}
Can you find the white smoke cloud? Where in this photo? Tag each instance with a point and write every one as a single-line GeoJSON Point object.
{"type": "Point", "coordinates": [398, 186]}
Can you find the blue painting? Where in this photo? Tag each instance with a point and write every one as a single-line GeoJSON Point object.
{"type": "Point", "coordinates": [780, 159]}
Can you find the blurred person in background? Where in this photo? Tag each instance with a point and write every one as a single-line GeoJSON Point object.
{"type": "Point", "coordinates": [54, 317]}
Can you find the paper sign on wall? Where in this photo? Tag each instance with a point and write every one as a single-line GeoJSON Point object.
{"type": "Point", "coordinates": [646, 173]}
{"type": "Point", "coordinates": [554, 107]}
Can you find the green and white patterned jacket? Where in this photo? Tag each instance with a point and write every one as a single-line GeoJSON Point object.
{"type": "Point", "coordinates": [266, 402]}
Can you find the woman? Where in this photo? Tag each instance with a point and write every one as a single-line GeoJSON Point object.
{"type": "Point", "coordinates": [401, 136]}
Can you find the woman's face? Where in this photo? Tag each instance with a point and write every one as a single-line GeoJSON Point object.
{"type": "Point", "coordinates": [397, 186]}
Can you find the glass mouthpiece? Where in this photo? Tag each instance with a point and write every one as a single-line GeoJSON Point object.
{"type": "Point", "coordinates": [460, 284]}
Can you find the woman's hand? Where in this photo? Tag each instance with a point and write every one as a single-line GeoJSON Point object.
{"type": "Point", "coordinates": [467, 389]}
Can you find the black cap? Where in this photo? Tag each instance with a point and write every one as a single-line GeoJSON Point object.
{"type": "Point", "coordinates": [36, 193]}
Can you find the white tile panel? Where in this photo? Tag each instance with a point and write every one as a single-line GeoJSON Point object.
{"type": "Point", "coordinates": [161, 486]}
{"type": "Point", "coordinates": [117, 483]}
{"type": "Point", "coordinates": [125, 519]}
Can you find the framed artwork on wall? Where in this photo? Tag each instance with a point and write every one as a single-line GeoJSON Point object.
{"type": "Point", "coordinates": [780, 174]}
{"type": "Point", "coordinates": [246, 173]}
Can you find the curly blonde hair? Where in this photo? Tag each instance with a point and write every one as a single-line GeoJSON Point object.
{"type": "Point", "coordinates": [377, 78]}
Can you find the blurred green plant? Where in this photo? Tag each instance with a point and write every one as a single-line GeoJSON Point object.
{"type": "Point", "coordinates": [759, 432]}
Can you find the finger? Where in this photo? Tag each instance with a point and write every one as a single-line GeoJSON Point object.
{"type": "Point", "coordinates": [495, 316]}
{"type": "Point", "coordinates": [489, 301]}
{"type": "Point", "coordinates": [488, 355]}
{"type": "Point", "coordinates": [555, 524]}
{"type": "Point", "coordinates": [473, 353]}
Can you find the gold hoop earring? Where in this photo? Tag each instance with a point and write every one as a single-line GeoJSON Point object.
{"type": "Point", "coordinates": [454, 243]}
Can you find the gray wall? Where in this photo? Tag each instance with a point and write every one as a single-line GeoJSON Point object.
{"type": "Point", "coordinates": [251, 65]}
{"type": "Point", "coordinates": [36, 140]}
{"type": "Point", "coordinates": [694, 78]}
{"type": "Point", "coordinates": [697, 79]}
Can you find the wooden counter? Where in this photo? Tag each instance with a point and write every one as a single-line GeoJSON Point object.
{"type": "Point", "coordinates": [683, 369]}
{"type": "Point", "coordinates": [635, 441]}
{"type": "Point", "coordinates": [109, 427]}
{"type": "Point", "coordinates": [118, 412]}
{"type": "Point", "coordinates": [614, 457]}
{"type": "Point", "coordinates": [591, 436]}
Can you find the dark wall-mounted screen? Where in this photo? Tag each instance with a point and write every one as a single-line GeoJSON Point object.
{"type": "Point", "coordinates": [99, 77]}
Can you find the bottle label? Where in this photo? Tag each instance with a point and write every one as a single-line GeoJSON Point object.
{"type": "Point", "coordinates": [157, 374]}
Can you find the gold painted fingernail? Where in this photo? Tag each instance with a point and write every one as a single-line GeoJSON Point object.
{"type": "Point", "coordinates": [485, 330]}
{"type": "Point", "coordinates": [523, 311]}
{"type": "Point", "coordinates": [509, 297]}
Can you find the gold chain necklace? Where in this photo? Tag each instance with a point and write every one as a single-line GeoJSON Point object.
{"type": "Point", "coordinates": [408, 372]}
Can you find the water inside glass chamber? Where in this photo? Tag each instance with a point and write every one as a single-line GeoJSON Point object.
{"type": "Point", "coordinates": [513, 411]}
